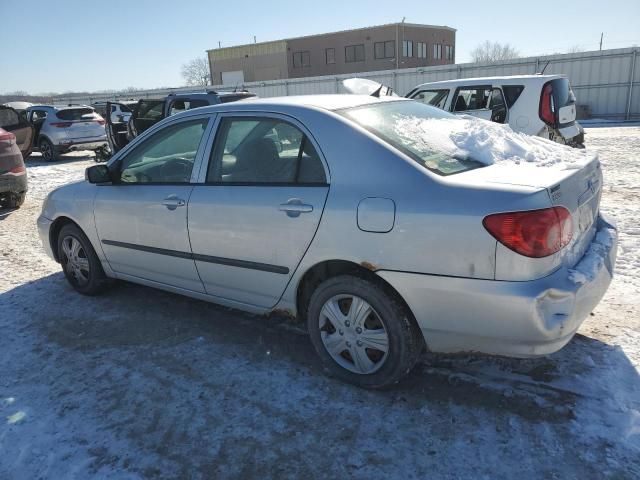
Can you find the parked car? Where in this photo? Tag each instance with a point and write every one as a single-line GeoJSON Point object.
{"type": "Point", "coordinates": [321, 207]}
{"type": "Point", "coordinates": [150, 111]}
{"type": "Point", "coordinates": [20, 107]}
{"type": "Point", "coordinates": [15, 122]}
{"type": "Point", "coordinates": [60, 129]}
{"type": "Point", "coordinates": [13, 174]}
{"type": "Point", "coordinates": [542, 105]}
{"type": "Point", "coordinates": [119, 111]}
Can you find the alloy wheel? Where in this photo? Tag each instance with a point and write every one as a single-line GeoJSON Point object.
{"type": "Point", "coordinates": [75, 261]}
{"type": "Point", "coordinates": [353, 334]}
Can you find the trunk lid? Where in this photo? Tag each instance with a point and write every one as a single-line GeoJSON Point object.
{"type": "Point", "coordinates": [577, 187]}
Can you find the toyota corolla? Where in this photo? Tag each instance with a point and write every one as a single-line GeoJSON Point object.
{"type": "Point", "coordinates": [387, 225]}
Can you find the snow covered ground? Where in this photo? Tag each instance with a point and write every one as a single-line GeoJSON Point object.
{"type": "Point", "coordinates": [139, 383]}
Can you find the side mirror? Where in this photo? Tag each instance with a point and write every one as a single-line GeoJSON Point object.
{"type": "Point", "coordinates": [98, 174]}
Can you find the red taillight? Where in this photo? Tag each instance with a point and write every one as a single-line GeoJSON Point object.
{"type": "Point", "coordinates": [100, 121]}
{"type": "Point", "coordinates": [61, 124]}
{"type": "Point", "coordinates": [18, 169]}
{"type": "Point", "coordinates": [547, 107]}
{"type": "Point", "coordinates": [7, 136]}
{"type": "Point", "coordinates": [536, 233]}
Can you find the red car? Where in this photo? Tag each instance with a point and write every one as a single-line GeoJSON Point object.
{"type": "Point", "coordinates": [16, 143]}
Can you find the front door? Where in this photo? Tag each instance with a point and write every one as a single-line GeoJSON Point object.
{"type": "Point", "coordinates": [141, 218]}
{"type": "Point", "coordinates": [13, 122]}
{"type": "Point", "coordinates": [252, 221]}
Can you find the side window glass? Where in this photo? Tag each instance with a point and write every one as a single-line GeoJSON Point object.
{"type": "Point", "coordinates": [436, 98]}
{"type": "Point", "coordinates": [263, 151]}
{"type": "Point", "coordinates": [497, 100]}
{"type": "Point", "coordinates": [166, 157]}
{"type": "Point", "coordinates": [472, 99]}
{"type": "Point", "coordinates": [8, 117]}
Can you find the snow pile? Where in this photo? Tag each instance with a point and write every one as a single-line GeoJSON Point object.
{"type": "Point", "coordinates": [486, 142]}
{"type": "Point", "coordinates": [587, 268]}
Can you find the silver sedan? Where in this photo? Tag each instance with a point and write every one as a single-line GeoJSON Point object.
{"type": "Point", "coordinates": [323, 208]}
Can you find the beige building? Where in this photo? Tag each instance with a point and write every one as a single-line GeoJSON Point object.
{"type": "Point", "coordinates": [383, 47]}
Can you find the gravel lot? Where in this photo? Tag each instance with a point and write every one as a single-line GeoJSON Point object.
{"type": "Point", "coordinates": [139, 383]}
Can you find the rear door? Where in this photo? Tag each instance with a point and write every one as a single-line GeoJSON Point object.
{"type": "Point", "coordinates": [258, 209]}
{"type": "Point", "coordinates": [147, 113]}
{"type": "Point", "coordinates": [17, 124]}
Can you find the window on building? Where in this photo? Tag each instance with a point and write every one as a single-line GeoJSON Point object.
{"type": "Point", "coordinates": [421, 49]}
{"type": "Point", "coordinates": [437, 51]}
{"type": "Point", "coordinates": [407, 48]}
{"type": "Point", "coordinates": [330, 55]}
{"type": "Point", "coordinates": [301, 59]}
{"type": "Point", "coordinates": [384, 49]}
{"type": "Point", "coordinates": [354, 53]}
{"type": "Point", "coordinates": [448, 52]}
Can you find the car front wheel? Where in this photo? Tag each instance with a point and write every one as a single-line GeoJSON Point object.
{"type": "Point", "coordinates": [363, 334]}
{"type": "Point", "coordinates": [80, 264]}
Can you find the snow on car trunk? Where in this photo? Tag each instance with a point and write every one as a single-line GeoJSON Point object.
{"type": "Point", "coordinates": [572, 177]}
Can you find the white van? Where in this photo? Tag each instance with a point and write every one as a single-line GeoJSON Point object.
{"type": "Point", "coordinates": [542, 105]}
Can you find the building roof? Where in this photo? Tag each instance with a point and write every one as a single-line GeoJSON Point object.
{"type": "Point", "coordinates": [415, 25]}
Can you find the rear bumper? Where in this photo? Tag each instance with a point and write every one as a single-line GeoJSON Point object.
{"type": "Point", "coordinates": [83, 144]}
{"type": "Point", "coordinates": [572, 132]}
{"type": "Point", "coordinates": [13, 183]}
{"type": "Point", "coordinates": [519, 319]}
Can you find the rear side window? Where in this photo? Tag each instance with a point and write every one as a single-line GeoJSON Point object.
{"type": "Point", "coordinates": [71, 114]}
{"type": "Point", "coordinates": [436, 98]}
{"type": "Point", "coordinates": [8, 117]}
{"type": "Point", "coordinates": [471, 98]}
{"type": "Point", "coordinates": [511, 93]}
{"type": "Point", "coordinates": [253, 151]}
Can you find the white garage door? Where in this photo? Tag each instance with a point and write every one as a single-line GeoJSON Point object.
{"type": "Point", "coordinates": [235, 77]}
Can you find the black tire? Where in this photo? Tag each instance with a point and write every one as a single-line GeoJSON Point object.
{"type": "Point", "coordinates": [405, 341]}
{"type": "Point", "coordinates": [14, 199]}
{"type": "Point", "coordinates": [89, 281]}
{"type": "Point", "coordinates": [47, 150]}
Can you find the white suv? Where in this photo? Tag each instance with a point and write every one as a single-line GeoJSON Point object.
{"type": "Point", "coordinates": [542, 105]}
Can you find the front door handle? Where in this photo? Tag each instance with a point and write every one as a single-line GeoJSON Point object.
{"type": "Point", "coordinates": [294, 207]}
{"type": "Point", "coordinates": [172, 202]}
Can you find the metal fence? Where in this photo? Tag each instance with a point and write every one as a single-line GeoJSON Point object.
{"type": "Point", "coordinates": [606, 81]}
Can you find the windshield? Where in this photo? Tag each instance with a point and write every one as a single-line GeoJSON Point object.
{"type": "Point", "coordinates": [419, 131]}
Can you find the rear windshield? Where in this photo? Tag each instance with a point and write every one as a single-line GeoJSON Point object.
{"type": "Point", "coordinates": [562, 94]}
{"type": "Point", "coordinates": [408, 126]}
{"type": "Point", "coordinates": [74, 113]}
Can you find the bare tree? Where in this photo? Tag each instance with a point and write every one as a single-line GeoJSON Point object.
{"type": "Point", "coordinates": [493, 52]}
{"type": "Point", "coordinates": [196, 71]}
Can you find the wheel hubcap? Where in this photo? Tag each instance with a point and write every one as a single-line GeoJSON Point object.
{"type": "Point", "coordinates": [76, 262]}
{"type": "Point", "coordinates": [353, 334]}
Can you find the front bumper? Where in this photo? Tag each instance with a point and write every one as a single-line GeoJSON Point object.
{"type": "Point", "coordinates": [44, 226]}
{"type": "Point", "coordinates": [13, 183]}
{"type": "Point", "coordinates": [518, 319]}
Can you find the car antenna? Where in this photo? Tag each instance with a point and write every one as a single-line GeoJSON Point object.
{"type": "Point", "coordinates": [377, 92]}
{"type": "Point", "coordinates": [545, 67]}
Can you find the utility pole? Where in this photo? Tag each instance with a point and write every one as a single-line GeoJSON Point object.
{"type": "Point", "coordinates": [254, 39]}
{"type": "Point", "coordinates": [601, 35]}
{"type": "Point", "coordinates": [219, 44]}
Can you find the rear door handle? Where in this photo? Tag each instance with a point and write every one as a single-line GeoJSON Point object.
{"type": "Point", "coordinates": [172, 202]}
{"type": "Point", "coordinates": [294, 207]}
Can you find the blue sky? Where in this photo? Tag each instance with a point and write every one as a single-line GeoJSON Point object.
{"type": "Point", "coordinates": [63, 45]}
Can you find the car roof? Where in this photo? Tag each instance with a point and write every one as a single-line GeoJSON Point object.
{"type": "Point", "coordinates": [60, 107]}
{"type": "Point", "coordinates": [506, 79]}
{"type": "Point", "coordinates": [325, 102]}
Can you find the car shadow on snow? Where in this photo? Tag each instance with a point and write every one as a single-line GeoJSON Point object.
{"type": "Point", "coordinates": [35, 159]}
{"type": "Point", "coordinates": [130, 316]}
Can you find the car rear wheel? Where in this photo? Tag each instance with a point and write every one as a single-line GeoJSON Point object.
{"type": "Point", "coordinates": [47, 150]}
{"type": "Point", "coordinates": [363, 334]}
{"type": "Point", "coordinates": [13, 199]}
{"type": "Point", "coordinates": [79, 261]}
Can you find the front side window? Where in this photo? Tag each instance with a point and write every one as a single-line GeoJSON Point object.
{"type": "Point", "coordinates": [354, 53]}
{"type": "Point", "coordinates": [254, 151]}
{"type": "Point", "coordinates": [150, 109]}
{"type": "Point", "coordinates": [472, 98]}
{"type": "Point", "coordinates": [436, 98]}
{"type": "Point", "coordinates": [421, 132]}
{"type": "Point", "coordinates": [165, 157]}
